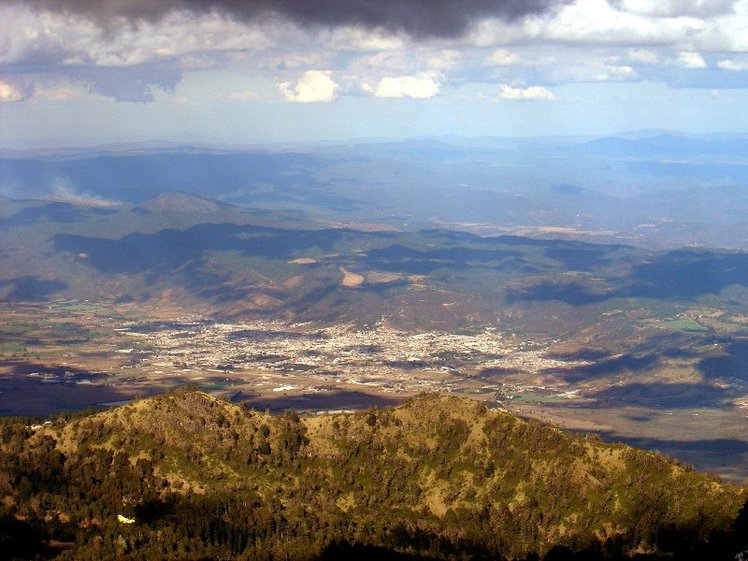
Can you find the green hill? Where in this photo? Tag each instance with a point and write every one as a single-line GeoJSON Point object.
{"type": "Point", "coordinates": [438, 477]}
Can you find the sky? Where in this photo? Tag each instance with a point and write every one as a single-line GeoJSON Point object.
{"type": "Point", "coordinates": [241, 72]}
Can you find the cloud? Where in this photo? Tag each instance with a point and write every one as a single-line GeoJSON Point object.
{"type": "Point", "coordinates": [525, 94]}
{"type": "Point", "coordinates": [501, 57]}
{"type": "Point", "coordinates": [313, 86]}
{"type": "Point", "coordinates": [9, 92]}
{"type": "Point", "coordinates": [643, 56]}
{"type": "Point", "coordinates": [675, 8]}
{"type": "Point", "coordinates": [416, 73]}
{"type": "Point", "coordinates": [589, 69]}
{"type": "Point", "coordinates": [729, 64]}
{"type": "Point", "coordinates": [421, 86]}
{"type": "Point", "coordinates": [690, 59]}
{"type": "Point", "coordinates": [600, 23]}
{"type": "Point", "coordinates": [402, 62]}
{"type": "Point", "coordinates": [289, 61]}
{"type": "Point", "coordinates": [60, 40]}
{"type": "Point", "coordinates": [418, 18]}
{"type": "Point", "coordinates": [444, 59]}
{"type": "Point", "coordinates": [350, 38]}
{"type": "Point", "coordinates": [140, 50]}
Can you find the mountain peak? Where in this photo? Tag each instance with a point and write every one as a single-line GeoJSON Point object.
{"type": "Point", "coordinates": [451, 468]}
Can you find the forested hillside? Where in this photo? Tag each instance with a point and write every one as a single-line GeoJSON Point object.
{"type": "Point", "coordinates": [437, 477]}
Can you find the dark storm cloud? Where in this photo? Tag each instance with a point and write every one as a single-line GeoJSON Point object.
{"type": "Point", "coordinates": [420, 18]}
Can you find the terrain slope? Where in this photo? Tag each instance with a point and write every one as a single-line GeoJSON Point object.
{"type": "Point", "coordinates": [188, 476]}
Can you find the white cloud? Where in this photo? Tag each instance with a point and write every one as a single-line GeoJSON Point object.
{"type": "Point", "coordinates": [416, 74]}
{"type": "Point", "coordinates": [313, 86]}
{"type": "Point", "coordinates": [47, 38]}
{"type": "Point", "coordinates": [444, 59]}
{"type": "Point", "coordinates": [525, 94]}
{"type": "Point", "coordinates": [581, 68]}
{"type": "Point", "coordinates": [386, 61]}
{"type": "Point", "coordinates": [421, 86]}
{"type": "Point", "coordinates": [690, 59]}
{"type": "Point", "coordinates": [598, 23]}
{"type": "Point", "coordinates": [671, 8]}
{"type": "Point", "coordinates": [297, 60]}
{"type": "Point", "coordinates": [620, 72]}
{"type": "Point", "coordinates": [8, 92]}
{"type": "Point", "coordinates": [353, 38]}
{"type": "Point", "coordinates": [729, 64]}
{"type": "Point", "coordinates": [643, 56]}
{"type": "Point", "coordinates": [501, 57]}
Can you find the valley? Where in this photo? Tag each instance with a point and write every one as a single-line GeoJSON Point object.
{"type": "Point", "coordinates": [70, 356]}
{"type": "Point", "coordinates": [296, 280]}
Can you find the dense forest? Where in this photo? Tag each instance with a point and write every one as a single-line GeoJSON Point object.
{"type": "Point", "coordinates": [187, 476]}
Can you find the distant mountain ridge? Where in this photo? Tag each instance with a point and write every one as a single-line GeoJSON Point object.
{"type": "Point", "coordinates": [668, 144]}
{"type": "Point", "coordinates": [501, 183]}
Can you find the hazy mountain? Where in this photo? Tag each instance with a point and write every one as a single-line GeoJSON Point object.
{"type": "Point", "coordinates": [638, 189]}
{"type": "Point", "coordinates": [186, 203]}
{"type": "Point", "coordinates": [670, 145]}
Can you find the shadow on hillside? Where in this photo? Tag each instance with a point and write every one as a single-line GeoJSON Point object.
{"type": "Point", "coordinates": [663, 395]}
{"type": "Point", "coordinates": [582, 258]}
{"type": "Point", "coordinates": [344, 551]}
{"type": "Point", "coordinates": [497, 373]}
{"type": "Point", "coordinates": [675, 275]}
{"type": "Point", "coordinates": [22, 539]}
{"type": "Point", "coordinates": [167, 250]}
{"type": "Point", "coordinates": [733, 364]}
{"type": "Point", "coordinates": [31, 289]}
{"type": "Point", "coordinates": [517, 240]}
{"type": "Point", "coordinates": [574, 292]}
{"type": "Point", "coordinates": [606, 366]}
{"type": "Point", "coordinates": [504, 253]}
{"type": "Point", "coordinates": [53, 392]}
{"type": "Point", "coordinates": [320, 304]}
{"type": "Point", "coordinates": [723, 455]}
{"type": "Point", "coordinates": [687, 274]}
{"type": "Point", "coordinates": [581, 354]}
{"type": "Point", "coordinates": [53, 212]}
{"type": "Point", "coordinates": [403, 259]}
{"type": "Point", "coordinates": [22, 367]}
{"type": "Point", "coordinates": [207, 282]}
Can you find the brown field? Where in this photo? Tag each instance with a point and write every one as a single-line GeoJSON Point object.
{"type": "Point", "coordinates": [351, 280]}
